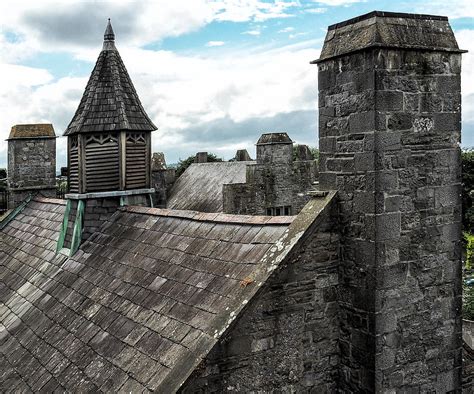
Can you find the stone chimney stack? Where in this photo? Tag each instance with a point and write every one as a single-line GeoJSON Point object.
{"type": "Point", "coordinates": [242, 155]}
{"type": "Point", "coordinates": [31, 162]}
{"type": "Point", "coordinates": [389, 134]}
{"type": "Point", "coordinates": [274, 148]}
{"type": "Point", "coordinates": [201, 157]}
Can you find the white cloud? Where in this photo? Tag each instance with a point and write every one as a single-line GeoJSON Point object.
{"type": "Point", "coordinates": [215, 43]}
{"type": "Point", "coordinates": [52, 25]}
{"type": "Point", "coordinates": [254, 32]}
{"type": "Point", "coordinates": [319, 10]}
{"type": "Point", "coordinates": [335, 3]}
{"type": "Point", "coordinates": [454, 9]}
{"type": "Point", "coordinates": [286, 29]}
{"type": "Point", "coordinates": [465, 40]}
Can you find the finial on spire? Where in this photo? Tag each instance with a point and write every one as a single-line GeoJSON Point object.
{"type": "Point", "coordinates": [109, 32]}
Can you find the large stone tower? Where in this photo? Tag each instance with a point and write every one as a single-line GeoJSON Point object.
{"type": "Point", "coordinates": [389, 133]}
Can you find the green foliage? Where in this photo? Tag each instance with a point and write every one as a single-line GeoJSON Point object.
{"type": "Point", "coordinates": [467, 158]}
{"type": "Point", "coordinates": [469, 239]}
{"type": "Point", "coordinates": [61, 185]}
{"type": "Point", "coordinates": [183, 164]}
{"type": "Point", "coordinates": [315, 152]}
{"type": "Point", "coordinates": [468, 302]}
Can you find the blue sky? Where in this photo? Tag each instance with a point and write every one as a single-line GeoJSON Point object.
{"type": "Point", "coordinates": [213, 75]}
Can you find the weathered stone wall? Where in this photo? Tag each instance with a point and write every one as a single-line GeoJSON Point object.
{"type": "Point", "coordinates": [162, 181]}
{"type": "Point", "coordinates": [31, 167]}
{"type": "Point", "coordinates": [287, 338]}
{"type": "Point", "coordinates": [271, 184]}
{"type": "Point", "coordinates": [389, 143]}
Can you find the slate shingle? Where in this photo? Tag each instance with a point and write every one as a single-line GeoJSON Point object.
{"type": "Point", "coordinates": [130, 307]}
{"type": "Point", "coordinates": [110, 101]}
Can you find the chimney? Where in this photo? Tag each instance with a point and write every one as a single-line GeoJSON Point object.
{"type": "Point", "coordinates": [242, 155]}
{"type": "Point", "coordinates": [31, 162]}
{"type": "Point", "coordinates": [201, 157]}
{"type": "Point", "coordinates": [303, 153]}
{"type": "Point", "coordinates": [109, 148]}
{"type": "Point", "coordinates": [274, 148]}
{"type": "Point", "coordinates": [162, 179]}
{"type": "Point", "coordinates": [389, 134]}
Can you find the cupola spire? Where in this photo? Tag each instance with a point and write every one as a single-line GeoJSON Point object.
{"type": "Point", "coordinates": [109, 34]}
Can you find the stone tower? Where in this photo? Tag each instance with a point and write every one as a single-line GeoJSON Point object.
{"type": "Point", "coordinates": [274, 148]}
{"type": "Point", "coordinates": [389, 134]}
{"type": "Point", "coordinates": [109, 149]}
{"type": "Point", "coordinates": [31, 161]}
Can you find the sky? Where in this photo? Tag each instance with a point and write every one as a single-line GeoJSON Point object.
{"type": "Point", "coordinates": [212, 75]}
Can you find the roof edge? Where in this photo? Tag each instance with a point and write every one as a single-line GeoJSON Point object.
{"type": "Point", "coordinates": [211, 217]}
{"type": "Point", "coordinates": [270, 262]}
{"type": "Point", "coordinates": [386, 14]}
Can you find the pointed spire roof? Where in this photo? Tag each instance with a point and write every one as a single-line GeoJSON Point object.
{"type": "Point", "coordinates": [110, 101]}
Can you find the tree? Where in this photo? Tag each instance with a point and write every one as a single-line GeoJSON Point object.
{"type": "Point", "coordinates": [467, 162]}
{"type": "Point", "coordinates": [183, 164]}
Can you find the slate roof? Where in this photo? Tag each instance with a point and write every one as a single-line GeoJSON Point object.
{"type": "Point", "coordinates": [110, 101]}
{"type": "Point", "coordinates": [32, 131]}
{"type": "Point", "coordinates": [139, 305]}
{"type": "Point", "coordinates": [200, 186]}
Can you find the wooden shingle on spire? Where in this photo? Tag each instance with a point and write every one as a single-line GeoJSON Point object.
{"type": "Point", "coordinates": [109, 141]}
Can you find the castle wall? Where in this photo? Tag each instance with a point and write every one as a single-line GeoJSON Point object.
{"type": "Point", "coordinates": [287, 338]}
{"type": "Point", "coordinates": [271, 185]}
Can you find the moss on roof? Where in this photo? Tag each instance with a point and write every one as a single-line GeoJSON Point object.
{"type": "Point", "coordinates": [32, 130]}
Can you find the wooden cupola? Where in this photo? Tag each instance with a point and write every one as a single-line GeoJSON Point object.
{"type": "Point", "coordinates": [109, 137]}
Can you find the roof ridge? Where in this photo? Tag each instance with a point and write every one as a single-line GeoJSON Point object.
{"type": "Point", "coordinates": [117, 83]}
{"type": "Point", "coordinates": [217, 217]}
{"type": "Point", "coordinates": [49, 200]}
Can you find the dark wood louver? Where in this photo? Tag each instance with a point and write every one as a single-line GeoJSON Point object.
{"type": "Point", "coordinates": [73, 165]}
{"type": "Point", "coordinates": [136, 161]}
{"type": "Point", "coordinates": [110, 134]}
{"type": "Point", "coordinates": [102, 162]}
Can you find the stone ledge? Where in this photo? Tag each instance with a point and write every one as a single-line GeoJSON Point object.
{"type": "Point", "coordinates": [116, 193]}
{"type": "Point", "coordinates": [212, 217]}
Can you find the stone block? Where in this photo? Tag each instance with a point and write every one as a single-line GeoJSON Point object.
{"type": "Point", "coordinates": [387, 140]}
{"type": "Point", "coordinates": [388, 226]}
{"type": "Point", "coordinates": [389, 100]}
{"type": "Point", "coordinates": [362, 122]}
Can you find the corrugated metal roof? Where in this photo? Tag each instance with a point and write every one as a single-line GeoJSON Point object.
{"type": "Point", "coordinates": [200, 186]}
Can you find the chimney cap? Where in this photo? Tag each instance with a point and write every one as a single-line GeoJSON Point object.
{"type": "Point", "coordinates": [381, 29]}
{"type": "Point", "coordinates": [274, 138]}
{"type": "Point", "coordinates": [33, 130]}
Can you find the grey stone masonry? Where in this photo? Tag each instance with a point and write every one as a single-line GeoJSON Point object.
{"type": "Point", "coordinates": [276, 184]}
{"type": "Point", "coordinates": [287, 339]}
{"type": "Point", "coordinates": [31, 161]}
{"type": "Point", "coordinates": [389, 133]}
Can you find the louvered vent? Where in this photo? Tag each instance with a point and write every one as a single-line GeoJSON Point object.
{"type": "Point", "coordinates": [136, 151]}
{"type": "Point", "coordinates": [73, 166]}
{"type": "Point", "coordinates": [102, 163]}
